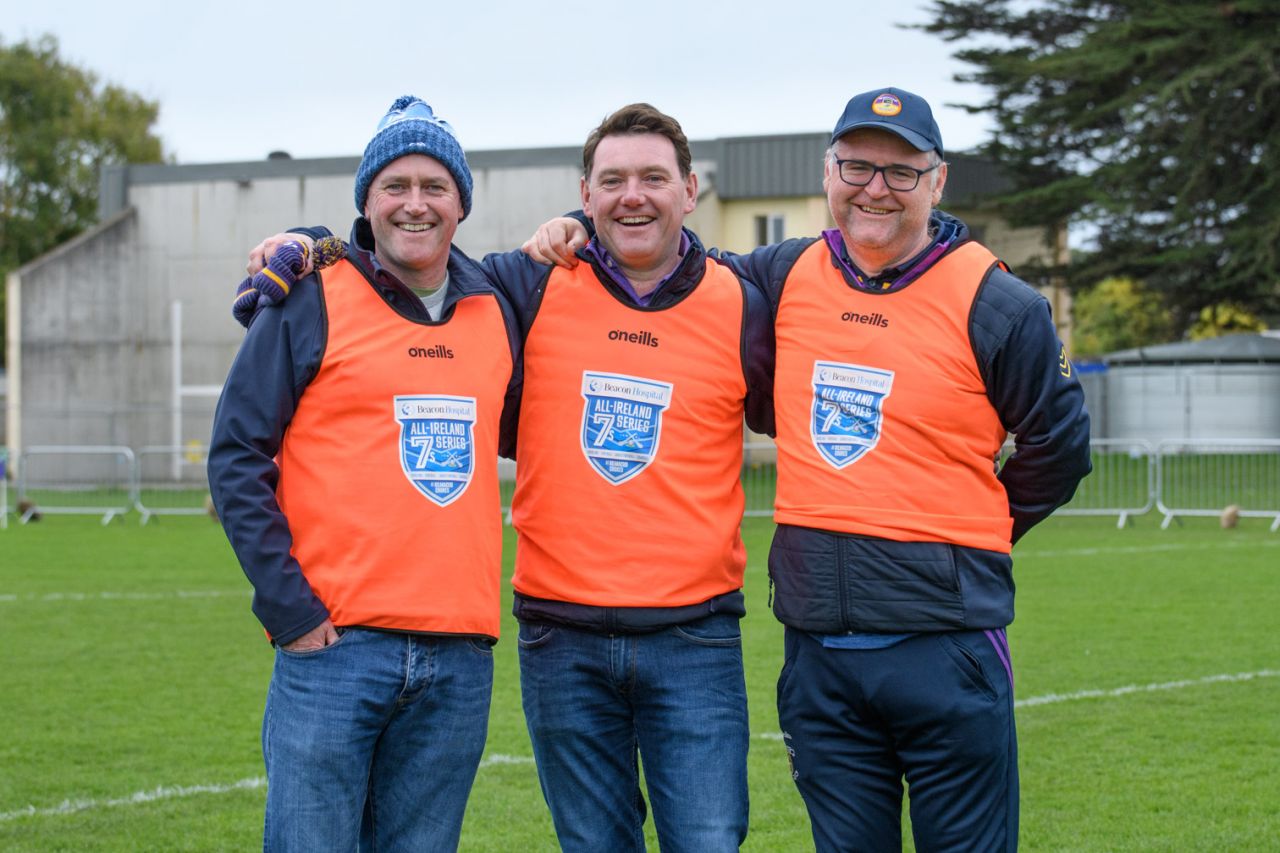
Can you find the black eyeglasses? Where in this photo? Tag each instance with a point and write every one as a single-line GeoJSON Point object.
{"type": "Point", "coordinates": [903, 179]}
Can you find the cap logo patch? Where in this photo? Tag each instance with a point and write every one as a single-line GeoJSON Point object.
{"type": "Point", "coordinates": [886, 105]}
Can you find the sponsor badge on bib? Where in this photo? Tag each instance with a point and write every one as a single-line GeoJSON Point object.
{"type": "Point", "coordinates": [621, 423]}
{"type": "Point", "coordinates": [437, 450]}
{"type": "Point", "coordinates": [847, 412]}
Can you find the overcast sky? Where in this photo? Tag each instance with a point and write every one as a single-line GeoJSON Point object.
{"type": "Point", "coordinates": [236, 80]}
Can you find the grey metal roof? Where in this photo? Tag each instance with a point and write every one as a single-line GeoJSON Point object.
{"type": "Point", "coordinates": [770, 166]}
{"type": "Point", "coordinates": [791, 165]}
{"type": "Point", "coordinates": [784, 165]}
{"type": "Point", "coordinates": [1228, 348]}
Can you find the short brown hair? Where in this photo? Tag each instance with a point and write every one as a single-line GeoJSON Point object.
{"type": "Point", "coordinates": [639, 118]}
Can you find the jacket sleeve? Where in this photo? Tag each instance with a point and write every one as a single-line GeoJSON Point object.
{"type": "Point", "coordinates": [509, 425]}
{"type": "Point", "coordinates": [758, 357]}
{"type": "Point", "coordinates": [520, 283]}
{"type": "Point", "coordinates": [1033, 387]}
{"type": "Point", "coordinates": [277, 360]}
{"type": "Point", "coordinates": [767, 267]}
{"type": "Point", "coordinates": [521, 280]}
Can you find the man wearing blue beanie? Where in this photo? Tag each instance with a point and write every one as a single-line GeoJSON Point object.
{"type": "Point", "coordinates": [640, 368]}
{"type": "Point", "coordinates": [354, 467]}
{"type": "Point", "coordinates": [411, 127]}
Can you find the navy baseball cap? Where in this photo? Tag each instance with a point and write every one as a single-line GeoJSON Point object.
{"type": "Point", "coordinates": [896, 111]}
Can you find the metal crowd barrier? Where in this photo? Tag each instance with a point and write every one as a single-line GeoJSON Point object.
{"type": "Point", "coordinates": [172, 480]}
{"type": "Point", "coordinates": [1205, 477]}
{"type": "Point", "coordinates": [1123, 482]}
{"type": "Point", "coordinates": [759, 476]}
{"type": "Point", "coordinates": [76, 480]}
{"type": "Point", "coordinates": [1130, 478]}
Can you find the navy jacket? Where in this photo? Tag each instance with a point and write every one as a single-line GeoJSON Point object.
{"type": "Point", "coordinates": [827, 581]}
{"type": "Point", "coordinates": [279, 357]}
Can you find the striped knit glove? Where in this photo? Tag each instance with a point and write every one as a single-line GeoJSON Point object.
{"type": "Point", "coordinates": [271, 284]}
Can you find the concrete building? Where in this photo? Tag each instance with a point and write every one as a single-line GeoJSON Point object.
{"type": "Point", "coordinates": [123, 335]}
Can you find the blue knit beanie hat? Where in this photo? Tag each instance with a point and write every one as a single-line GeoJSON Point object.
{"type": "Point", "coordinates": [410, 127]}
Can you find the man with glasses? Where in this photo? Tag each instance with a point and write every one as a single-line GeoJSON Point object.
{"type": "Point", "coordinates": [905, 353]}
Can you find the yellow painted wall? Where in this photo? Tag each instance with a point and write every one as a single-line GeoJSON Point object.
{"type": "Point", "coordinates": [803, 217]}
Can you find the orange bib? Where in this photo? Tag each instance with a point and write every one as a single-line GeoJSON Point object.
{"type": "Point", "coordinates": [627, 485]}
{"type": "Point", "coordinates": [884, 426]}
{"type": "Point", "coordinates": [388, 472]}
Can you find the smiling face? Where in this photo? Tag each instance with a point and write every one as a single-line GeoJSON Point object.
{"type": "Point", "coordinates": [413, 208]}
{"type": "Point", "coordinates": [882, 227]}
{"type": "Point", "coordinates": [637, 199]}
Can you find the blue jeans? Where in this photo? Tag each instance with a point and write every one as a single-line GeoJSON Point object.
{"type": "Point", "coordinates": [936, 709]}
{"type": "Point", "coordinates": [374, 741]}
{"type": "Point", "coordinates": [676, 698]}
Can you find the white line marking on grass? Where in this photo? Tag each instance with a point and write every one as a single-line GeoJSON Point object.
{"type": "Point", "coordinates": [163, 793]}
{"type": "Point", "coordinates": [1146, 549]}
{"type": "Point", "coordinates": [491, 760]}
{"type": "Point", "coordinates": [166, 793]}
{"type": "Point", "coordinates": [1053, 698]}
{"type": "Point", "coordinates": [67, 807]}
{"type": "Point", "coordinates": [127, 596]}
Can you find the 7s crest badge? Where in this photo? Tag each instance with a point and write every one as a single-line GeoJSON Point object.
{"type": "Point", "coordinates": [848, 410]}
{"type": "Point", "coordinates": [622, 423]}
{"type": "Point", "coordinates": [437, 446]}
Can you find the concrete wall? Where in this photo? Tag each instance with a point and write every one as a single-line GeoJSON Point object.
{"type": "Point", "coordinates": [88, 339]}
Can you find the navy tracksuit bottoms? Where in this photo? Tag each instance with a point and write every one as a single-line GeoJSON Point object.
{"type": "Point", "coordinates": [935, 709]}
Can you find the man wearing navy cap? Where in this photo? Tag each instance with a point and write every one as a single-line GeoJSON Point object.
{"type": "Point", "coordinates": [906, 352]}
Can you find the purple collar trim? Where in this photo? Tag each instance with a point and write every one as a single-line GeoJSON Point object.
{"type": "Point", "coordinates": [893, 278]}
{"type": "Point", "coordinates": [610, 266]}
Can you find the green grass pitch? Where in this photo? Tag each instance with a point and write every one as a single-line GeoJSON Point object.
{"type": "Point", "coordinates": [134, 674]}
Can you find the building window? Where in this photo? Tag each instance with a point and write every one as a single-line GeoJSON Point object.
{"type": "Point", "coordinates": [769, 229]}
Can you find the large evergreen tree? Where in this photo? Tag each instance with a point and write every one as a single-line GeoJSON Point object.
{"type": "Point", "coordinates": [58, 126]}
{"type": "Point", "coordinates": [1153, 121]}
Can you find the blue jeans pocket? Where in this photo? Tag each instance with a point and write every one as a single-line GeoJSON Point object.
{"type": "Point", "coordinates": [714, 630]}
{"type": "Point", "coordinates": [311, 653]}
{"type": "Point", "coordinates": [534, 634]}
